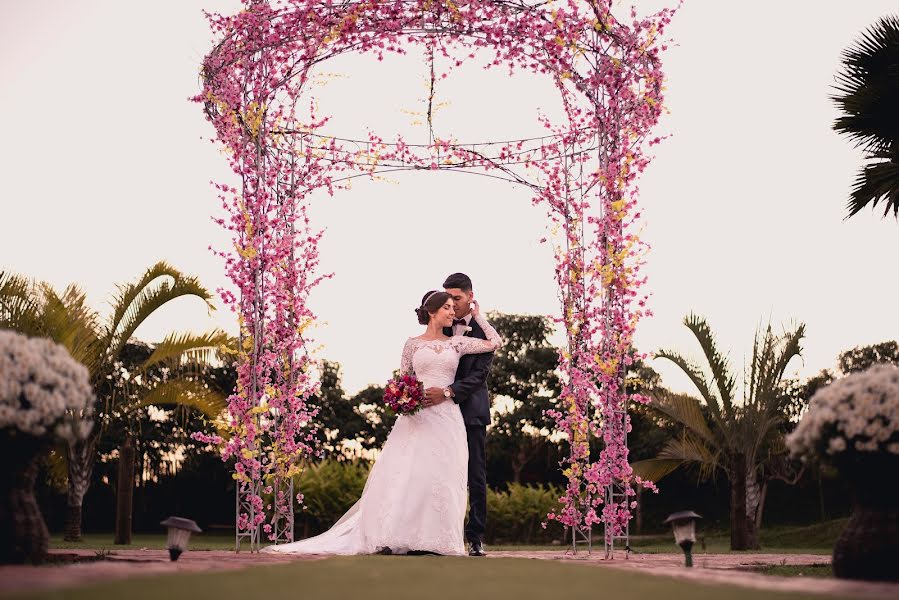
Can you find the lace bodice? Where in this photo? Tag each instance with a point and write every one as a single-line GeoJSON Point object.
{"type": "Point", "coordinates": [434, 362]}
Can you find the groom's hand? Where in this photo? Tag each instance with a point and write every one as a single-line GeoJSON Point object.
{"type": "Point", "coordinates": [433, 396]}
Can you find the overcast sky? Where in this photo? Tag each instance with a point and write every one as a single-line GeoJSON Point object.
{"type": "Point", "coordinates": [105, 169]}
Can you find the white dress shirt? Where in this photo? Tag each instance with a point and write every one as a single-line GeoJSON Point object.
{"type": "Point", "coordinates": [460, 329]}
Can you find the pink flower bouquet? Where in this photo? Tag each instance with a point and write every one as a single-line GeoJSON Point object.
{"type": "Point", "coordinates": [404, 395]}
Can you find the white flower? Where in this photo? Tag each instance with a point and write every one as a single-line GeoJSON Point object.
{"type": "Point", "coordinates": [42, 388]}
{"type": "Point", "coordinates": [863, 410]}
{"type": "Point", "coordinates": [835, 445]}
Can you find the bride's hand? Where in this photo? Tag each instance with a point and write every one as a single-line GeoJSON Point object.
{"type": "Point", "coordinates": [475, 309]}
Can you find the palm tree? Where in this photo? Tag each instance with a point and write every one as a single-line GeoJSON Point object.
{"type": "Point", "coordinates": [868, 94]}
{"type": "Point", "coordinates": [742, 439]}
{"type": "Point", "coordinates": [36, 309]}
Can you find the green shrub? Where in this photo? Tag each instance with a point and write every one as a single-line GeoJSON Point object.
{"type": "Point", "coordinates": [514, 516]}
{"type": "Point", "coordinates": [329, 489]}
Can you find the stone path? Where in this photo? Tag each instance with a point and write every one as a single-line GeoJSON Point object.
{"type": "Point", "coordinates": [733, 569]}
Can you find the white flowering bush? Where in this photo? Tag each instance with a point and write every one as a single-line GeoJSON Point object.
{"type": "Point", "coordinates": [856, 414]}
{"type": "Point", "coordinates": [43, 390]}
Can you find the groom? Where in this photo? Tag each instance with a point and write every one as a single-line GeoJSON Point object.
{"type": "Point", "coordinates": [469, 391]}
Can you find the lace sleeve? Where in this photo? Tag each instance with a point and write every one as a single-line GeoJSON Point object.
{"type": "Point", "coordinates": [406, 358]}
{"type": "Point", "coordinates": [469, 345]}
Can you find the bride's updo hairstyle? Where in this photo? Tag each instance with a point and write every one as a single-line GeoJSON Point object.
{"type": "Point", "coordinates": [430, 303]}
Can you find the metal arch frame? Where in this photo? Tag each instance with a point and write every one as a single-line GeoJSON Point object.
{"type": "Point", "coordinates": [506, 168]}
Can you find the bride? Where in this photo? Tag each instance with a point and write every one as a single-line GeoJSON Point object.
{"type": "Point", "coordinates": [415, 497]}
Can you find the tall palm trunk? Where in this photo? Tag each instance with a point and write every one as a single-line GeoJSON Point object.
{"type": "Point", "coordinates": [739, 532]}
{"type": "Point", "coordinates": [125, 492]}
{"type": "Point", "coordinates": [761, 509]}
{"type": "Point", "coordinates": [753, 507]}
{"type": "Point", "coordinates": [80, 457]}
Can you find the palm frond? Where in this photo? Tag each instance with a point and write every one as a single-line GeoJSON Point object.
{"type": "Point", "coordinates": [697, 377]}
{"type": "Point", "coordinates": [875, 183]}
{"type": "Point", "coordinates": [790, 348]}
{"type": "Point", "coordinates": [721, 373]}
{"type": "Point", "coordinates": [69, 321]}
{"type": "Point", "coordinates": [193, 348]}
{"type": "Point", "coordinates": [184, 392]}
{"type": "Point", "coordinates": [683, 410]}
{"type": "Point", "coordinates": [764, 410]}
{"type": "Point", "coordinates": [135, 302]}
{"type": "Point", "coordinates": [654, 469]}
{"type": "Point", "coordinates": [19, 305]}
{"type": "Point", "coordinates": [771, 355]}
{"type": "Point", "coordinates": [687, 449]}
{"type": "Point", "coordinates": [867, 97]}
{"type": "Point", "coordinates": [868, 88]}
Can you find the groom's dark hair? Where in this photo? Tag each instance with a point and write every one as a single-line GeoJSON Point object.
{"type": "Point", "coordinates": [458, 280]}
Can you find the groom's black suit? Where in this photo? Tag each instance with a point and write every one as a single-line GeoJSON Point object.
{"type": "Point", "coordinates": [470, 393]}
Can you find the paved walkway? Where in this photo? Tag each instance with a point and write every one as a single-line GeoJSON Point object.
{"type": "Point", "coordinates": [733, 569]}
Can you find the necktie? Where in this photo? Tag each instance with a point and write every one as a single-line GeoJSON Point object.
{"type": "Point", "coordinates": [458, 322]}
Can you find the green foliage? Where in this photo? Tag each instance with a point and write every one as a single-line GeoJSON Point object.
{"type": "Point", "coordinates": [361, 419]}
{"type": "Point", "coordinates": [798, 393]}
{"type": "Point", "coordinates": [744, 439]}
{"type": "Point", "coordinates": [329, 489]}
{"type": "Point", "coordinates": [867, 97]}
{"type": "Point", "coordinates": [523, 371]}
{"type": "Point", "coordinates": [861, 358]}
{"type": "Point", "coordinates": [125, 388]}
{"type": "Point", "coordinates": [749, 428]}
{"type": "Point", "coordinates": [19, 308]}
{"type": "Point", "coordinates": [378, 420]}
{"type": "Point", "coordinates": [103, 346]}
{"type": "Point", "coordinates": [338, 419]}
{"type": "Point", "coordinates": [515, 515]}
{"type": "Point", "coordinates": [649, 430]}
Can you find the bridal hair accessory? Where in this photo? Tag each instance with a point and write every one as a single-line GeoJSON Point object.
{"type": "Point", "coordinates": [428, 298]}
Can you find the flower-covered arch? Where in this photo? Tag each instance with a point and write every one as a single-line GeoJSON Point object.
{"type": "Point", "coordinates": [257, 94]}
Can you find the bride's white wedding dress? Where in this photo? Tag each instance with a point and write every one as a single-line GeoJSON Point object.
{"type": "Point", "coordinates": [416, 493]}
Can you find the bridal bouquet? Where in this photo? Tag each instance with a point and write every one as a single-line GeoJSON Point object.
{"type": "Point", "coordinates": [404, 395]}
{"type": "Point", "coordinates": [856, 414]}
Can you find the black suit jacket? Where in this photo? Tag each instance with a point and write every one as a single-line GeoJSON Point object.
{"type": "Point", "coordinates": [470, 386]}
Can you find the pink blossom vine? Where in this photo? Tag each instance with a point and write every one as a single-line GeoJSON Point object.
{"type": "Point", "coordinates": [584, 172]}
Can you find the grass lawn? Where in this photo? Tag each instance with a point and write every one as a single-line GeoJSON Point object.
{"type": "Point", "coordinates": [807, 539]}
{"type": "Point", "coordinates": [810, 539]}
{"type": "Point", "coordinates": [400, 578]}
{"type": "Point", "coordinates": [150, 541]}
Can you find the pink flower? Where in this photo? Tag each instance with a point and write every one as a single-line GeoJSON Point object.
{"type": "Point", "coordinates": [267, 45]}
